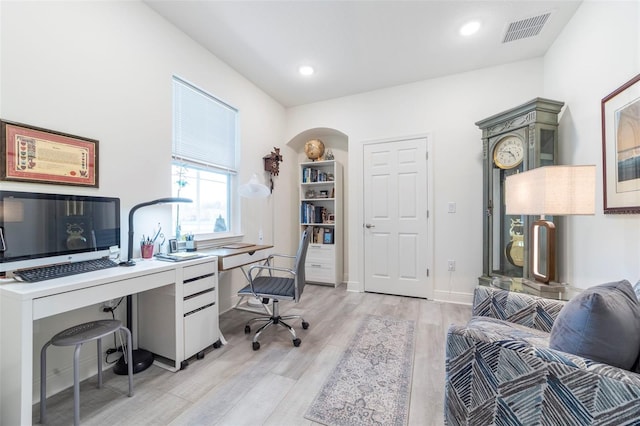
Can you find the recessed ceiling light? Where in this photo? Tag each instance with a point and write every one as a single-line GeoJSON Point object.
{"type": "Point", "coordinates": [306, 70]}
{"type": "Point", "coordinates": [470, 28]}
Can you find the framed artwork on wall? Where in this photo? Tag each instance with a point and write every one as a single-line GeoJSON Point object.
{"type": "Point", "coordinates": [621, 149]}
{"type": "Point", "coordinates": [33, 154]}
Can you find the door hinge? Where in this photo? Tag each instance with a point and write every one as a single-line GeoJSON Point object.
{"type": "Point", "coordinates": [427, 272]}
{"type": "Point", "coordinates": [427, 214]}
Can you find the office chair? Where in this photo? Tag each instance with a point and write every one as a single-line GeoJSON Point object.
{"type": "Point", "coordinates": [285, 284]}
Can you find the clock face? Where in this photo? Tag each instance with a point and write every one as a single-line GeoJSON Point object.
{"type": "Point", "coordinates": [509, 152]}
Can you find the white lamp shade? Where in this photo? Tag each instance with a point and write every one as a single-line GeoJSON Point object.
{"type": "Point", "coordinates": [552, 190]}
{"type": "Point", "coordinates": [254, 189]}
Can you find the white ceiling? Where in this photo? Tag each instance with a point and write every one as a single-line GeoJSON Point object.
{"type": "Point", "coordinates": [358, 46]}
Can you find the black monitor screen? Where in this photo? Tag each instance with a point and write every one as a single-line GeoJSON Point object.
{"type": "Point", "coordinates": [40, 226]}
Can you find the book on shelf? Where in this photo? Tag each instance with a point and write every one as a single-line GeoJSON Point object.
{"type": "Point", "coordinates": [311, 175]}
{"type": "Point", "coordinates": [311, 213]}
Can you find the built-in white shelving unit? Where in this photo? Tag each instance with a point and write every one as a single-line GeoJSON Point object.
{"type": "Point", "coordinates": [321, 210]}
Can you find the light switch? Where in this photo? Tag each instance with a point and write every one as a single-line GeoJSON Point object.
{"type": "Point", "coordinates": [452, 207]}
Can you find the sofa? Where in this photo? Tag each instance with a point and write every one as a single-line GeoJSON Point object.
{"type": "Point", "coordinates": [501, 370]}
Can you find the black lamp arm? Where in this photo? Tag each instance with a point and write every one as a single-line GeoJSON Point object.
{"type": "Point", "coordinates": [149, 203]}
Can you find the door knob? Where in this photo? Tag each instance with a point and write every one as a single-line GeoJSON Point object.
{"type": "Point", "coordinates": [368, 225]}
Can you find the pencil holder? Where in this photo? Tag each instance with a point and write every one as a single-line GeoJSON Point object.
{"type": "Point", "coordinates": [147, 251]}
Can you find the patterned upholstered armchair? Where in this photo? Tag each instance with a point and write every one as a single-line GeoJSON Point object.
{"type": "Point", "coordinates": [500, 370]}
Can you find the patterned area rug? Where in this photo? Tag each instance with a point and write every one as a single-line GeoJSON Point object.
{"type": "Point", "coordinates": [371, 385]}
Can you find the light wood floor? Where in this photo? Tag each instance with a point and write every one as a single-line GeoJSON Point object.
{"type": "Point", "coordinates": [235, 385]}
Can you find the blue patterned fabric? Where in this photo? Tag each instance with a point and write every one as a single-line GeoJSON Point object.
{"type": "Point", "coordinates": [519, 308]}
{"type": "Point", "coordinates": [500, 372]}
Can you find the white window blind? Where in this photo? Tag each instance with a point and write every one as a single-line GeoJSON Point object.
{"type": "Point", "coordinates": [204, 128]}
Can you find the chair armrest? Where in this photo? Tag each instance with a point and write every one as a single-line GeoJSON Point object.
{"type": "Point", "coordinates": [520, 308]}
{"type": "Point", "coordinates": [289, 256]}
{"type": "Point", "coordinates": [261, 268]}
{"type": "Point", "coordinates": [272, 257]}
{"type": "Point", "coordinates": [492, 380]}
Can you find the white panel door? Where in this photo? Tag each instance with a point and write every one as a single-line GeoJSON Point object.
{"type": "Point", "coordinates": [395, 218]}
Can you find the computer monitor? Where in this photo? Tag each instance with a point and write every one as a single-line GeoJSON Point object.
{"type": "Point", "coordinates": [38, 229]}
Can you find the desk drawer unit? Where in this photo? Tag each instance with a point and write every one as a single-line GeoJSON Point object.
{"type": "Point", "coordinates": [320, 264]}
{"type": "Point", "coordinates": [197, 314]}
{"type": "Point", "coordinates": [200, 312]}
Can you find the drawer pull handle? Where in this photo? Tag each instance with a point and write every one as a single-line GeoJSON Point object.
{"type": "Point", "coordinates": [199, 309]}
{"type": "Point", "coordinates": [198, 278]}
{"type": "Point", "coordinates": [209, 290]}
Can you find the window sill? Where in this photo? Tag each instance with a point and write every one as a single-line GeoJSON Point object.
{"type": "Point", "coordinates": [207, 241]}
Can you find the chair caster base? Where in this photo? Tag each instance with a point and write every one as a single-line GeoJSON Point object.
{"type": "Point", "coordinates": [296, 342]}
{"type": "Point", "coordinates": [256, 345]}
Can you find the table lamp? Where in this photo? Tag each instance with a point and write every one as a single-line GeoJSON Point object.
{"type": "Point", "coordinates": [141, 358]}
{"type": "Point", "coordinates": [552, 191]}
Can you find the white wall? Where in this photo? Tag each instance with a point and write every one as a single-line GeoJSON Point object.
{"type": "Point", "coordinates": [446, 108]}
{"type": "Point", "coordinates": [581, 68]}
{"type": "Point", "coordinates": [103, 70]}
{"type": "Point", "coordinates": [596, 53]}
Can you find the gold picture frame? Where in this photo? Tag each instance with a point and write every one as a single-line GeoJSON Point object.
{"type": "Point", "coordinates": [33, 154]}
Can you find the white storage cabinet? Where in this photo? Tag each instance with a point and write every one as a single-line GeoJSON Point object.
{"type": "Point", "coordinates": [197, 308]}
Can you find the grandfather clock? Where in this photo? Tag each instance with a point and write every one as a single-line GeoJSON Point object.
{"type": "Point", "coordinates": [515, 140]}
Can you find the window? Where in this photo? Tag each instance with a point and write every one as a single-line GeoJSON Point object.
{"type": "Point", "coordinates": [204, 161]}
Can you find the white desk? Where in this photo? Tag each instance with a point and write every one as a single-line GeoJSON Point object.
{"type": "Point", "coordinates": [23, 303]}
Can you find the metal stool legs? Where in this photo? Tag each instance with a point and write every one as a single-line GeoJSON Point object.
{"type": "Point", "coordinates": [78, 342]}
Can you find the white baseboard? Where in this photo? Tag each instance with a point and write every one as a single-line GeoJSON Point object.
{"type": "Point", "coordinates": [453, 297]}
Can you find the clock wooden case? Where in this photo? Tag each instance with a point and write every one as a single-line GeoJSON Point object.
{"type": "Point", "coordinates": [516, 140]}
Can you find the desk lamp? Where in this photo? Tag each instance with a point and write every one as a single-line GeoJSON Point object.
{"type": "Point", "coordinates": [141, 358]}
{"type": "Point", "coordinates": [255, 190]}
{"type": "Point", "coordinates": [553, 191]}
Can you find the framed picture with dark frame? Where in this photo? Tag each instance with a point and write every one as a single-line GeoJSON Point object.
{"type": "Point", "coordinates": [33, 154]}
{"type": "Point", "coordinates": [328, 236]}
{"type": "Point", "coordinates": [621, 149]}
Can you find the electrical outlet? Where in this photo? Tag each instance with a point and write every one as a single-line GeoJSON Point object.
{"type": "Point", "coordinates": [451, 265]}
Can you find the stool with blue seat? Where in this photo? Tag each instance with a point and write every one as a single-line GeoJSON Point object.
{"type": "Point", "coordinates": [77, 336]}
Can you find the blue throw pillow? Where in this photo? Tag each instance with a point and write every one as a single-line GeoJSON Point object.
{"type": "Point", "coordinates": [601, 323]}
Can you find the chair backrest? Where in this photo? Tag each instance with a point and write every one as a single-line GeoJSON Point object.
{"type": "Point", "coordinates": [301, 258]}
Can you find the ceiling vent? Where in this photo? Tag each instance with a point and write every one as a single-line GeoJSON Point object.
{"type": "Point", "coordinates": [524, 28]}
